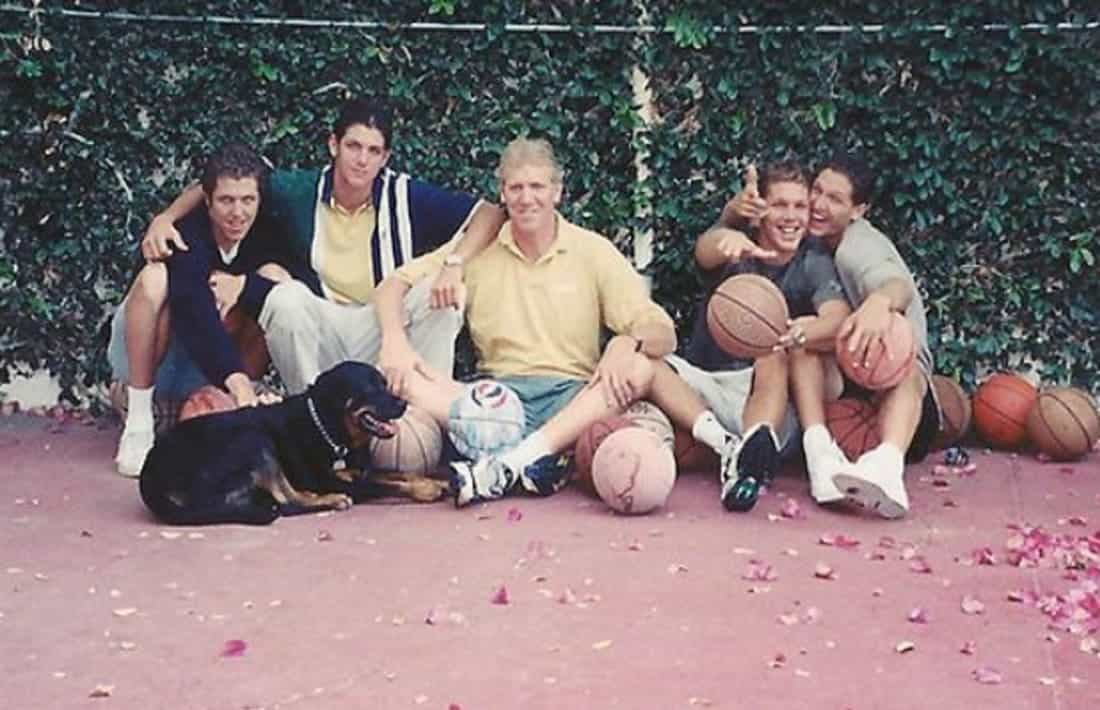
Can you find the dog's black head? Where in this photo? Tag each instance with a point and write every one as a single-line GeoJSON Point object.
{"type": "Point", "coordinates": [359, 392]}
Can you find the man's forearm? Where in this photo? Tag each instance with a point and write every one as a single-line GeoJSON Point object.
{"type": "Point", "coordinates": [897, 292]}
{"type": "Point", "coordinates": [189, 199]}
{"type": "Point", "coordinates": [481, 231]}
{"type": "Point", "coordinates": [389, 299]}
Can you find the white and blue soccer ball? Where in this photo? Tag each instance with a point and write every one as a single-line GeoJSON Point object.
{"type": "Point", "coordinates": [486, 420]}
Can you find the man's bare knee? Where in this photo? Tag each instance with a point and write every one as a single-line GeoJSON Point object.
{"type": "Point", "coordinates": [642, 372]}
{"type": "Point", "coordinates": [152, 282]}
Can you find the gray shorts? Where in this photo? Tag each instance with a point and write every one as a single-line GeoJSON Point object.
{"type": "Point", "coordinates": [725, 392]}
{"type": "Point", "coordinates": [542, 397]}
{"type": "Point", "coordinates": [176, 377]}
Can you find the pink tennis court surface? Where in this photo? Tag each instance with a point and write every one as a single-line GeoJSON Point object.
{"type": "Point", "coordinates": [984, 597]}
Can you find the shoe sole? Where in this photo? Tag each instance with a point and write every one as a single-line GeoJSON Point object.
{"type": "Point", "coordinates": [126, 473]}
{"type": "Point", "coordinates": [869, 495]}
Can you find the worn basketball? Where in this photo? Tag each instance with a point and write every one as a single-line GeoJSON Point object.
{"type": "Point", "coordinates": [486, 420]}
{"type": "Point", "coordinates": [887, 362]}
{"type": "Point", "coordinates": [633, 470]}
{"type": "Point", "coordinates": [692, 455]}
{"type": "Point", "coordinates": [1001, 406]}
{"type": "Point", "coordinates": [1063, 423]}
{"type": "Point", "coordinates": [587, 444]}
{"type": "Point", "coordinates": [955, 411]}
{"type": "Point", "coordinates": [854, 426]}
{"type": "Point", "coordinates": [649, 416]}
{"type": "Point", "coordinates": [746, 314]}
{"type": "Point", "coordinates": [415, 448]}
{"type": "Point", "coordinates": [207, 399]}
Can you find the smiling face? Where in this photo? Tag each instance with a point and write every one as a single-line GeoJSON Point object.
{"type": "Point", "coordinates": [357, 156]}
{"type": "Point", "coordinates": [833, 207]}
{"type": "Point", "coordinates": [232, 207]}
{"type": "Point", "coordinates": [784, 225]}
{"type": "Point", "coordinates": [531, 196]}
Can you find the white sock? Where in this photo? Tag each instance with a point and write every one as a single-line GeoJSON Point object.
{"type": "Point", "coordinates": [888, 458]}
{"type": "Point", "coordinates": [815, 439]}
{"type": "Point", "coordinates": [529, 450]}
{"type": "Point", "coordinates": [707, 429]}
{"type": "Point", "coordinates": [139, 409]}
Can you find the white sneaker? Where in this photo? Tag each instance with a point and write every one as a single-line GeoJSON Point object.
{"type": "Point", "coordinates": [822, 463]}
{"type": "Point", "coordinates": [875, 487]}
{"type": "Point", "coordinates": [133, 447]}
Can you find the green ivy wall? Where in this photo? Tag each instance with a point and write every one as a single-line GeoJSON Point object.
{"type": "Point", "coordinates": [982, 124]}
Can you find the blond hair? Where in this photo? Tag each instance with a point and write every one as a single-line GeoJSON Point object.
{"type": "Point", "coordinates": [522, 152]}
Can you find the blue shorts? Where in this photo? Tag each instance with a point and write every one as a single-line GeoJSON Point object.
{"type": "Point", "coordinates": [176, 377]}
{"type": "Point", "coordinates": [542, 397]}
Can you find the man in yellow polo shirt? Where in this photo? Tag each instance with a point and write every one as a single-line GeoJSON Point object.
{"type": "Point", "coordinates": [536, 300]}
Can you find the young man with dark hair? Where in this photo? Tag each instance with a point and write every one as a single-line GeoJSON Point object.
{"type": "Point", "coordinates": [351, 224]}
{"type": "Point", "coordinates": [172, 331]}
{"type": "Point", "coordinates": [739, 408]}
{"type": "Point", "coordinates": [877, 282]}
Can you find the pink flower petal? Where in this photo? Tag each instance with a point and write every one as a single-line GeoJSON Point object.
{"type": "Point", "coordinates": [970, 605]}
{"type": "Point", "coordinates": [567, 596]}
{"type": "Point", "coordinates": [233, 648]}
{"type": "Point", "coordinates": [917, 615]}
{"type": "Point", "coordinates": [969, 648]}
{"type": "Point", "coordinates": [824, 571]}
{"type": "Point", "coordinates": [838, 540]}
{"type": "Point", "coordinates": [791, 510]}
{"type": "Point", "coordinates": [987, 675]}
{"type": "Point", "coordinates": [759, 572]}
{"type": "Point", "coordinates": [984, 556]}
{"type": "Point", "coordinates": [500, 596]}
{"type": "Point", "coordinates": [920, 565]}
{"type": "Point", "coordinates": [514, 515]}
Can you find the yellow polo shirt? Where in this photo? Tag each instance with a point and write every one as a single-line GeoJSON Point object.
{"type": "Point", "coordinates": [544, 317]}
{"type": "Point", "coordinates": [342, 253]}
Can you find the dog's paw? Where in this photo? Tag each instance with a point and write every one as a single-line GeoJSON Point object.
{"type": "Point", "coordinates": [341, 502]}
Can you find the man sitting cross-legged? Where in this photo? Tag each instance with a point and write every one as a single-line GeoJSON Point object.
{"type": "Point", "coordinates": [738, 407]}
{"type": "Point", "coordinates": [536, 301]}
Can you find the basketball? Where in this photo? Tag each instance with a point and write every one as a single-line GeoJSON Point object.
{"type": "Point", "coordinates": [692, 455]}
{"type": "Point", "coordinates": [649, 416]}
{"type": "Point", "coordinates": [486, 420]}
{"type": "Point", "coordinates": [955, 411]}
{"type": "Point", "coordinates": [633, 470]}
{"type": "Point", "coordinates": [207, 399]}
{"type": "Point", "coordinates": [1001, 406]}
{"type": "Point", "coordinates": [746, 314]}
{"type": "Point", "coordinates": [1064, 423]}
{"type": "Point", "coordinates": [587, 444]}
{"type": "Point", "coordinates": [854, 426]}
{"type": "Point", "coordinates": [415, 448]}
{"type": "Point", "coordinates": [880, 371]}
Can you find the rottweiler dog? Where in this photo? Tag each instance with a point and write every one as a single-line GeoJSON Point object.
{"type": "Point", "coordinates": [252, 465]}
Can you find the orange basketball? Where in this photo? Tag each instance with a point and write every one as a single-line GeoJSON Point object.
{"type": "Point", "coordinates": [955, 411]}
{"type": "Point", "coordinates": [585, 448]}
{"type": "Point", "coordinates": [692, 455]}
{"type": "Point", "coordinates": [854, 426]}
{"type": "Point", "coordinates": [1001, 406]}
{"type": "Point", "coordinates": [746, 315]}
{"type": "Point", "coordinates": [207, 399]}
{"type": "Point", "coordinates": [633, 470]}
{"type": "Point", "coordinates": [415, 448]}
{"type": "Point", "coordinates": [1064, 423]}
{"type": "Point", "coordinates": [888, 361]}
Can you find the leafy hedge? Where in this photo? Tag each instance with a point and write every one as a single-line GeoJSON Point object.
{"type": "Point", "coordinates": [984, 139]}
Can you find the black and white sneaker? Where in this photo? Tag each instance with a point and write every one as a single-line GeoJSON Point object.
{"type": "Point", "coordinates": [755, 459]}
{"type": "Point", "coordinates": [485, 479]}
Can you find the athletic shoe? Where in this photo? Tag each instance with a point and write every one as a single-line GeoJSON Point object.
{"type": "Point", "coordinates": [868, 484]}
{"type": "Point", "coordinates": [133, 447]}
{"type": "Point", "coordinates": [756, 460]}
{"type": "Point", "coordinates": [821, 465]}
{"type": "Point", "coordinates": [485, 479]}
{"type": "Point", "coordinates": [547, 475]}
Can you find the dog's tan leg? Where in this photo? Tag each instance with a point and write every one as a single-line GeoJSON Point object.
{"type": "Point", "coordinates": [415, 485]}
{"type": "Point", "coordinates": [287, 495]}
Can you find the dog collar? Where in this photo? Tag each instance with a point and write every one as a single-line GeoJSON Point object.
{"type": "Point", "coordinates": [340, 451]}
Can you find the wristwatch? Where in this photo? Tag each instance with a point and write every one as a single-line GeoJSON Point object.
{"type": "Point", "coordinates": [453, 260]}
